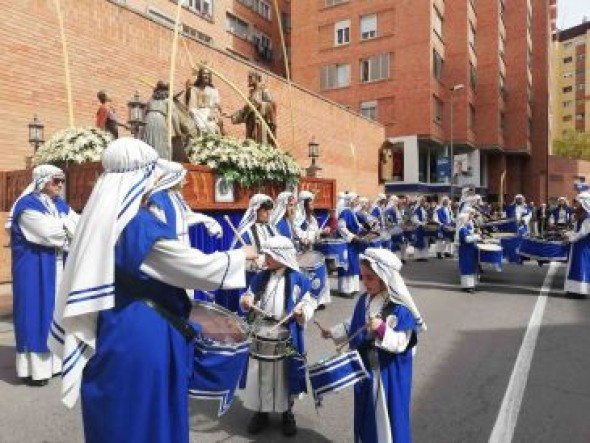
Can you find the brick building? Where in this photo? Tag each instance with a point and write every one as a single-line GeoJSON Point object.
{"type": "Point", "coordinates": [443, 73]}
{"type": "Point", "coordinates": [118, 46]}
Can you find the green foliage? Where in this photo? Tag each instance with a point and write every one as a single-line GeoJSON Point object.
{"type": "Point", "coordinates": [573, 144]}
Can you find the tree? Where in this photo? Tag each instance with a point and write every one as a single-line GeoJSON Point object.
{"type": "Point", "coordinates": [573, 144]}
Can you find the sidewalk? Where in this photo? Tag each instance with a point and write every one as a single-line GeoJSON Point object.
{"type": "Point", "coordinates": [5, 308]}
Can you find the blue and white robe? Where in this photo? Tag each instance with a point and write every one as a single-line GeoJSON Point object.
{"type": "Point", "coordinates": [170, 209]}
{"type": "Point", "coordinates": [522, 214]}
{"type": "Point", "coordinates": [135, 388]}
{"type": "Point", "coordinates": [382, 402]}
{"type": "Point", "coordinates": [285, 228]}
{"type": "Point", "coordinates": [421, 246]}
{"type": "Point", "coordinates": [270, 385]}
{"type": "Point", "coordinates": [38, 243]}
{"type": "Point", "coordinates": [444, 242]}
{"type": "Point", "coordinates": [578, 266]}
{"type": "Point", "coordinates": [349, 227]}
{"type": "Point", "coordinates": [398, 241]}
{"type": "Point", "coordinates": [468, 255]}
{"type": "Point", "coordinates": [561, 216]}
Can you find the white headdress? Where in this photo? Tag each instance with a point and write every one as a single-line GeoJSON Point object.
{"type": "Point", "coordinates": [42, 175]}
{"type": "Point", "coordinates": [387, 267]}
{"type": "Point", "coordinates": [249, 217]}
{"type": "Point", "coordinates": [300, 215]}
{"type": "Point", "coordinates": [392, 201]}
{"type": "Point", "coordinates": [378, 199]}
{"type": "Point", "coordinates": [584, 199]}
{"type": "Point", "coordinates": [170, 174]}
{"type": "Point", "coordinates": [282, 250]}
{"type": "Point", "coordinates": [281, 206]}
{"type": "Point", "coordinates": [88, 283]}
{"type": "Point", "coordinates": [462, 219]}
{"type": "Point", "coordinates": [517, 196]}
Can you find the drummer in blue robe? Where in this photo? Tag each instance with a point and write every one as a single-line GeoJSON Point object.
{"type": "Point", "coordinates": [378, 210]}
{"type": "Point", "coordinates": [383, 329]}
{"type": "Point", "coordinates": [561, 215]}
{"type": "Point", "coordinates": [466, 238]}
{"type": "Point", "coordinates": [394, 216]}
{"type": "Point", "coordinates": [577, 283]}
{"type": "Point", "coordinates": [349, 228]}
{"type": "Point", "coordinates": [41, 225]}
{"type": "Point", "coordinates": [283, 216]}
{"type": "Point", "coordinates": [419, 219]}
{"type": "Point", "coordinates": [120, 320]}
{"type": "Point", "coordinates": [280, 291]}
{"type": "Point", "coordinates": [519, 211]}
{"type": "Point", "coordinates": [364, 216]}
{"type": "Point", "coordinates": [444, 217]}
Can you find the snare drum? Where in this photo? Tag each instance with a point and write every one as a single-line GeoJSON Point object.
{"type": "Point", "coordinates": [502, 225]}
{"type": "Point", "coordinates": [220, 354]}
{"type": "Point", "coordinates": [334, 249]}
{"type": "Point", "coordinates": [544, 250]}
{"type": "Point", "coordinates": [490, 253]}
{"type": "Point", "coordinates": [313, 265]}
{"type": "Point", "coordinates": [336, 373]}
{"type": "Point", "coordinates": [269, 343]}
{"type": "Point", "coordinates": [431, 229]}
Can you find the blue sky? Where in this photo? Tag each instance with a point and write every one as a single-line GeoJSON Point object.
{"type": "Point", "coordinates": [571, 12]}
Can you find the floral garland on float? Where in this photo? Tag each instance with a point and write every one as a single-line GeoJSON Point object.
{"type": "Point", "coordinates": [244, 161]}
{"type": "Point", "coordinates": [73, 145]}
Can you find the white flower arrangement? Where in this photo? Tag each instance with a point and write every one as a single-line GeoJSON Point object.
{"type": "Point", "coordinates": [244, 161]}
{"type": "Point", "coordinates": [75, 145]}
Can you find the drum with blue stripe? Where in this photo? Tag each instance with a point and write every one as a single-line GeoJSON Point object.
{"type": "Point", "coordinates": [313, 265]}
{"type": "Point", "coordinates": [335, 249]}
{"type": "Point", "coordinates": [336, 373]}
{"type": "Point", "coordinates": [491, 254]}
{"type": "Point", "coordinates": [544, 250]}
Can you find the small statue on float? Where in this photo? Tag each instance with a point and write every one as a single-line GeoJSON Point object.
{"type": "Point", "coordinates": [262, 100]}
{"type": "Point", "coordinates": [202, 100]}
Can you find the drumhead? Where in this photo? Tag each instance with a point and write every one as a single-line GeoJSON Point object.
{"type": "Point", "coordinates": [310, 259]}
{"type": "Point", "coordinates": [332, 241]}
{"type": "Point", "coordinates": [489, 247]}
{"type": "Point", "coordinates": [218, 323]}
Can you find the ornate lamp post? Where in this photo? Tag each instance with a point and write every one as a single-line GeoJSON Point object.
{"type": "Point", "coordinates": [454, 89]}
{"type": "Point", "coordinates": [314, 152]}
{"type": "Point", "coordinates": [136, 110]}
{"type": "Point", "coordinates": [36, 133]}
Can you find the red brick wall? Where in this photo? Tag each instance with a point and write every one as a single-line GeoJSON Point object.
{"type": "Point", "coordinates": [563, 173]}
{"type": "Point", "coordinates": [112, 48]}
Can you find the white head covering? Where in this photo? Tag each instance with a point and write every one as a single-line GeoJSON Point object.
{"type": "Point", "coordinates": [387, 267]}
{"type": "Point", "coordinates": [562, 199]}
{"type": "Point", "coordinates": [89, 276]}
{"type": "Point", "coordinates": [300, 214]}
{"type": "Point", "coordinates": [249, 217]}
{"type": "Point", "coordinates": [281, 206]}
{"type": "Point", "coordinates": [378, 199]}
{"type": "Point", "coordinates": [340, 203]}
{"type": "Point", "coordinates": [584, 199]}
{"type": "Point", "coordinates": [467, 191]}
{"type": "Point", "coordinates": [362, 202]}
{"type": "Point", "coordinates": [170, 174]}
{"type": "Point", "coordinates": [517, 196]}
{"type": "Point", "coordinates": [42, 175]}
{"type": "Point", "coordinates": [392, 201]}
{"type": "Point", "coordinates": [461, 220]}
{"type": "Point", "coordinates": [282, 250]}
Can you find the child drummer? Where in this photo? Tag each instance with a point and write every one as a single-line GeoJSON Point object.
{"type": "Point", "coordinates": [280, 290]}
{"type": "Point", "coordinates": [389, 321]}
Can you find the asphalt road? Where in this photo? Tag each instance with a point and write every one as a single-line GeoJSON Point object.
{"type": "Point", "coordinates": [462, 370]}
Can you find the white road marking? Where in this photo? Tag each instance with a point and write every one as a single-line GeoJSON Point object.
{"type": "Point", "coordinates": [503, 430]}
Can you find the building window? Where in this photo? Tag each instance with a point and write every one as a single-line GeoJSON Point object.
{"type": "Point", "coordinates": [471, 116]}
{"type": "Point", "coordinates": [581, 86]}
{"type": "Point", "coordinates": [438, 110]}
{"type": "Point", "coordinates": [581, 57]}
{"type": "Point", "coordinates": [567, 118]}
{"type": "Point", "coordinates": [263, 45]}
{"type": "Point", "coordinates": [567, 45]}
{"type": "Point", "coordinates": [236, 26]}
{"type": "Point", "coordinates": [471, 36]}
{"type": "Point", "coordinates": [368, 27]}
{"type": "Point", "coordinates": [437, 65]}
{"type": "Point", "coordinates": [581, 71]}
{"type": "Point", "coordinates": [334, 2]}
{"type": "Point", "coordinates": [568, 104]}
{"type": "Point", "coordinates": [567, 89]}
{"type": "Point", "coordinates": [342, 32]}
{"type": "Point", "coordinates": [334, 76]}
{"type": "Point", "coordinates": [437, 25]}
{"type": "Point", "coordinates": [375, 68]}
{"type": "Point", "coordinates": [567, 59]}
{"type": "Point", "coordinates": [192, 32]}
{"type": "Point", "coordinates": [160, 17]}
{"type": "Point", "coordinates": [568, 74]}
{"type": "Point", "coordinates": [369, 110]}
{"type": "Point", "coordinates": [201, 7]}
{"type": "Point", "coordinates": [261, 7]}
{"type": "Point", "coordinates": [286, 21]}
{"type": "Point", "coordinates": [580, 116]}
{"type": "Point", "coordinates": [472, 76]}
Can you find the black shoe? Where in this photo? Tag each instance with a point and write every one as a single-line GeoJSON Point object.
{"type": "Point", "coordinates": [481, 269]}
{"type": "Point", "coordinates": [448, 255]}
{"type": "Point", "coordinates": [321, 307]}
{"type": "Point", "coordinates": [37, 383]}
{"type": "Point", "coordinates": [575, 295]}
{"type": "Point", "coordinates": [439, 255]}
{"type": "Point", "coordinates": [289, 424]}
{"type": "Point", "coordinates": [258, 422]}
{"type": "Point", "coordinates": [421, 259]}
{"type": "Point", "coordinates": [403, 261]}
{"type": "Point", "coordinates": [469, 290]}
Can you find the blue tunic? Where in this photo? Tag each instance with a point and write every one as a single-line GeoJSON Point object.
{"type": "Point", "coordinates": [445, 220]}
{"type": "Point", "coordinates": [354, 249]}
{"type": "Point", "coordinates": [296, 367]}
{"type": "Point", "coordinates": [468, 252]}
{"type": "Point", "coordinates": [134, 389]}
{"type": "Point", "coordinates": [420, 241]}
{"type": "Point", "coordinates": [33, 280]}
{"type": "Point", "coordinates": [284, 229]}
{"type": "Point", "coordinates": [555, 214]}
{"type": "Point", "coordinates": [396, 377]}
{"type": "Point", "coordinates": [511, 213]}
{"type": "Point", "coordinates": [578, 272]}
{"type": "Point", "coordinates": [163, 201]}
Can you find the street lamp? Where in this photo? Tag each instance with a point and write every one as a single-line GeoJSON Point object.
{"type": "Point", "coordinates": [36, 133]}
{"type": "Point", "coordinates": [314, 152]}
{"type": "Point", "coordinates": [136, 110]}
{"type": "Point", "coordinates": [453, 89]}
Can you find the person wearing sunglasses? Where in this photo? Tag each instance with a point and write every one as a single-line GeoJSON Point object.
{"type": "Point", "coordinates": [41, 225]}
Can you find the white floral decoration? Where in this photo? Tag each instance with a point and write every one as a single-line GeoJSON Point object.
{"type": "Point", "coordinates": [244, 161]}
{"type": "Point", "coordinates": [73, 145]}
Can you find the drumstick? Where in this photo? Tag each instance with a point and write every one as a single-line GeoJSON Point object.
{"type": "Point", "coordinates": [260, 311]}
{"type": "Point", "coordinates": [233, 228]}
{"type": "Point", "coordinates": [324, 222]}
{"type": "Point", "coordinates": [283, 321]}
{"type": "Point", "coordinates": [352, 337]}
{"type": "Point", "coordinates": [320, 326]}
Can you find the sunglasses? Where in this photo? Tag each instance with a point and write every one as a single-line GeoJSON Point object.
{"type": "Point", "coordinates": [58, 181]}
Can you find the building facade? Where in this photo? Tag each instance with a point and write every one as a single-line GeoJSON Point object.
{"type": "Point", "coordinates": [443, 77]}
{"type": "Point", "coordinates": [571, 64]}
